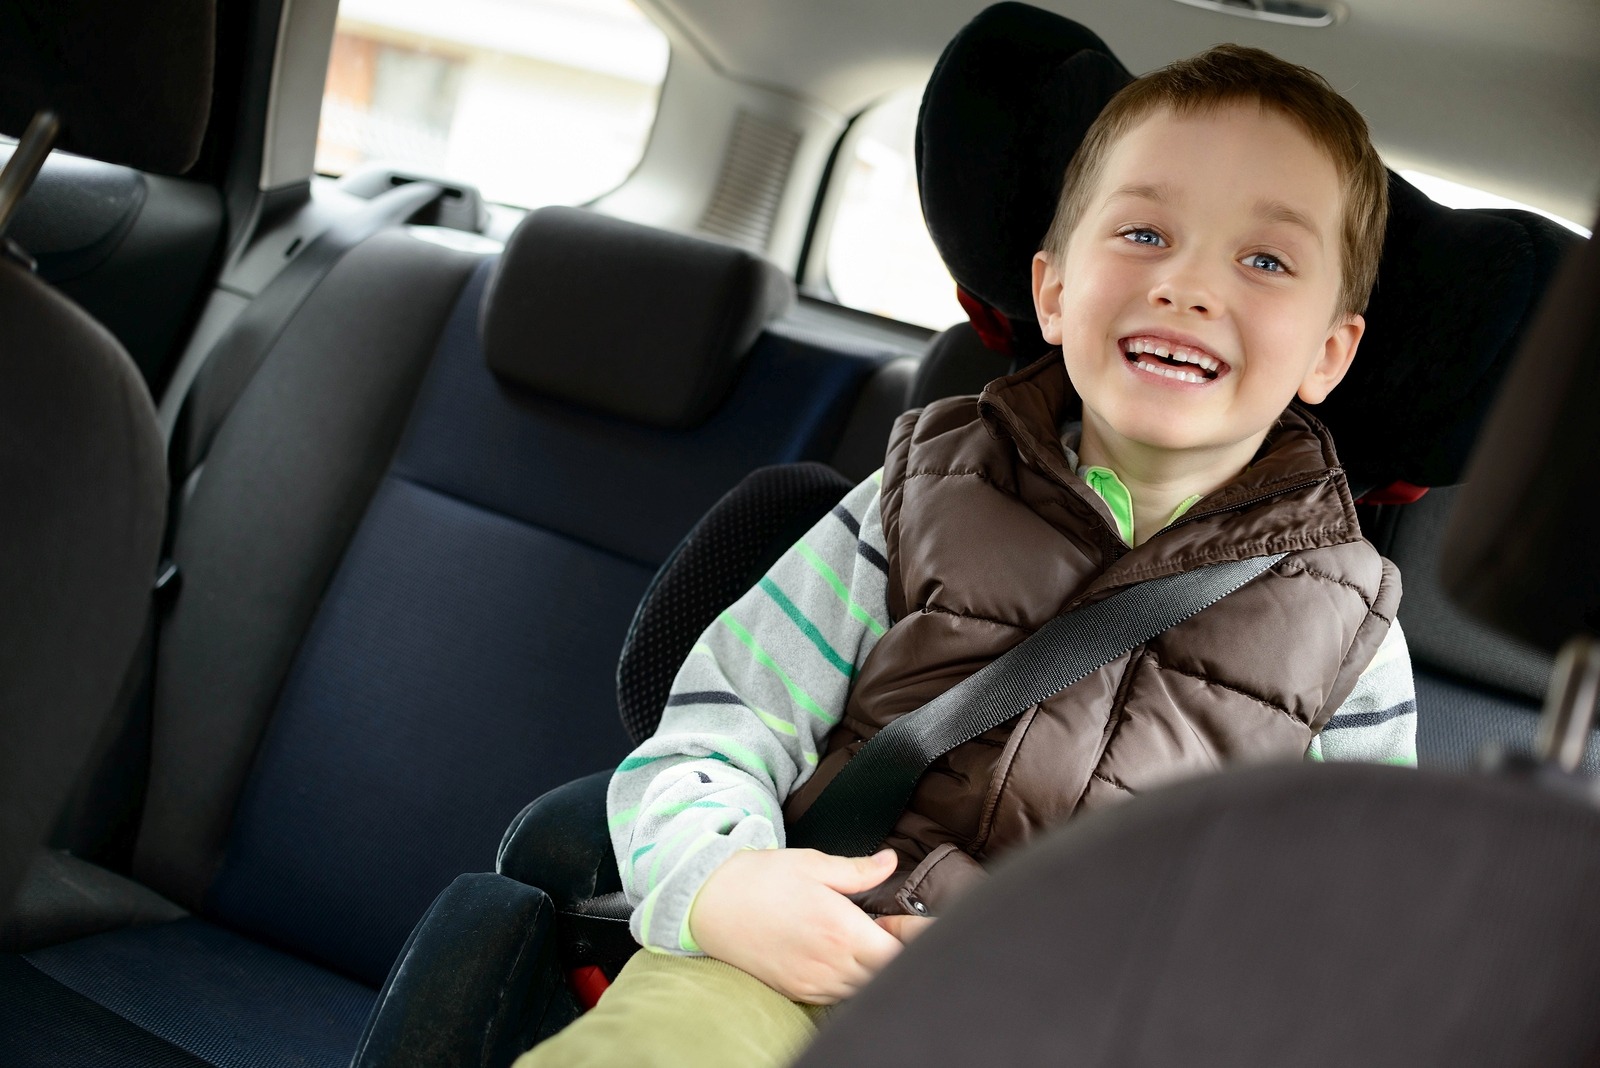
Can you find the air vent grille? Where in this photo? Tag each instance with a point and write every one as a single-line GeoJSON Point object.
{"type": "Point", "coordinates": [748, 191]}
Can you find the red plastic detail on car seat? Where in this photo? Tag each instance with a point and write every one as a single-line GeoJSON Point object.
{"type": "Point", "coordinates": [994, 329]}
{"type": "Point", "coordinates": [1394, 493]}
{"type": "Point", "coordinates": [588, 982]}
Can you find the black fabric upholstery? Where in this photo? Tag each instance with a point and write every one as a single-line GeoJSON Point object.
{"type": "Point", "coordinates": [472, 983]}
{"type": "Point", "coordinates": [229, 1002]}
{"type": "Point", "coordinates": [878, 405]}
{"type": "Point", "coordinates": [1004, 110]}
{"type": "Point", "coordinates": [1008, 104]}
{"type": "Point", "coordinates": [45, 1025]}
{"type": "Point", "coordinates": [1522, 558]}
{"type": "Point", "coordinates": [238, 354]}
{"type": "Point", "coordinates": [1456, 291]}
{"type": "Point", "coordinates": [288, 479]}
{"type": "Point", "coordinates": [1305, 915]}
{"type": "Point", "coordinates": [626, 319]}
{"type": "Point", "coordinates": [76, 212]}
{"type": "Point", "coordinates": [64, 898]}
{"type": "Point", "coordinates": [955, 363]}
{"type": "Point", "coordinates": [83, 487]}
{"type": "Point", "coordinates": [1439, 634]}
{"type": "Point", "coordinates": [724, 555]}
{"type": "Point", "coordinates": [131, 82]}
{"type": "Point", "coordinates": [549, 844]}
{"type": "Point", "coordinates": [1459, 726]}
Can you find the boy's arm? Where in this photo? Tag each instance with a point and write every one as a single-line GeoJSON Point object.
{"type": "Point", "coordinates": [1378, 721]}
{"type": "Point", "coordinates": [748, 710]}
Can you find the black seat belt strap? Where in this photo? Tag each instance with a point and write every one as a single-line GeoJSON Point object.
{"type": "Point", "coordinates": [856, 811]}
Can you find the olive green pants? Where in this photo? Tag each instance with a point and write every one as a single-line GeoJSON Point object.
{"type": "Point", "coordinates": [663, 1012]}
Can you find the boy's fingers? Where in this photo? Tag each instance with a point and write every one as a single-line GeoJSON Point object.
{"type": "Point", "coordinates": [875, 947]}
{"type": "Point", "coordinates": [905, 928]}
{"type": "Point", "coordinates": [849, 875]}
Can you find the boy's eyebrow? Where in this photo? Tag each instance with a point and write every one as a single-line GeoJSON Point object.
{"type": "Point", "coordinates": [1277, 211]}
{"type": "Point", "coordinates": [1141, 191]}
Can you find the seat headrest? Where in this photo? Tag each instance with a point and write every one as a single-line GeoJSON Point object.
{"type": "Point", "coordinates": [623, 318]}
{"type": "Point", "coordinates": [131, 82]}
{"type": "Point", "coordinates": [956, 362]}
{"type": "Point", "coordinates": [1008, 104]}
{"type": "Point", "coordinates": [1519, 552]}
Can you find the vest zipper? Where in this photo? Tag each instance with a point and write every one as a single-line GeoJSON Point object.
{"type": "Point", "coordinates": [1246, 503]}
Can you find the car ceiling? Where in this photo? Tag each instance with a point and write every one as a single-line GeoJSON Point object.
{"type": "Point", "coordinates": [1501, 95]}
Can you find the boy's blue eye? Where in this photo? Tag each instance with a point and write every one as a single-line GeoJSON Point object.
{"type": "Point", "coordinates": [1263, 262]}
{"type": "Point", "coordinates": [1143, 237]}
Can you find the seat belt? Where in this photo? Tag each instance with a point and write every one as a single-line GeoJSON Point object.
{"type": "Point", "coordinates": [857, 810]}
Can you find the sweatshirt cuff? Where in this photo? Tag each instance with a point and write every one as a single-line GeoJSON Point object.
{"type": "Point", "coordinates": [660, 922]}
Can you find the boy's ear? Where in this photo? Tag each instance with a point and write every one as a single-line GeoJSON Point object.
{"type": "Point", "coordinates": [1337, 352]}
{"type": "Point", "coordinates": [1047, 297]}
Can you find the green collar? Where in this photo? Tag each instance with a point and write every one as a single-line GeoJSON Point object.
{"type": "Point", "coordinates": [1105, 482]}
{"type": "Point", "coordinates": [1109, 487]}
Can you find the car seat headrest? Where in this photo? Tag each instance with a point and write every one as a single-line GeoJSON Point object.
{"type": "Point", "coordinates": [957, 361]}
{"type": "Point", "coordinates": [1008, 104]}
{"type": "Point", "coordinates": [130, 82]}
{"type": "Point", "coordinates": [1518, 553]}
{"type": "Point", "coordinates": [1005, 108]}
{"type": "Point", "coordinates": [623, 318]}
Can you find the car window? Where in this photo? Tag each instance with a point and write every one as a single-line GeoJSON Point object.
{"type": "Point", "coordinates": [879, 256]}
{"type": "Point", "coordinates": [534, 101]}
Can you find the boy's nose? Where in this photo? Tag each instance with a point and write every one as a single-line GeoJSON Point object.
{"type": "Point", "coordinates": [1184, 290]}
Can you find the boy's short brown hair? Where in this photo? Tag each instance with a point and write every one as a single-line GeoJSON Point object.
{"type": "Point", "coordinates": [1226, 74]}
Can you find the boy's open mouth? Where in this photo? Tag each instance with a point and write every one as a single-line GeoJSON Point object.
{"type": "Point", "coordinates": [1168, 359]}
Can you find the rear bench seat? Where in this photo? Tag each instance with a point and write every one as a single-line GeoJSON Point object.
{"type": "Point", "coordinates": [407, 570]}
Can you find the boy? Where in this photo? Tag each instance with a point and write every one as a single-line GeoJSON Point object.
{"type": "Point", "coordinates": [1216, 239]}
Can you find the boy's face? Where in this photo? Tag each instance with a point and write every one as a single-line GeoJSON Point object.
{"type": "Point", "coordinates": [1216, 238]}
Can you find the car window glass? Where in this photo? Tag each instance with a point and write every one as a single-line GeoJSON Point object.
{"type": "Point", "coordinates": [879, 257]}
{"type": "Point", "coordinates": [533, 101]}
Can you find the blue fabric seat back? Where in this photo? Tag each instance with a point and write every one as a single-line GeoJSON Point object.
{"type": "Point", "coordinates": [462, 661]}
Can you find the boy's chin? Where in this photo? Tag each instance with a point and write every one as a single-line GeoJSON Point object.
{"type": "Point", "coordinates": [1177, 437]}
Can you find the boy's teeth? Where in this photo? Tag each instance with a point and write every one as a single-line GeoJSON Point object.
{"type": "Point", "coordinates": [1170, 372]}
{"type": "Point", "coordinates": [1175, 353]}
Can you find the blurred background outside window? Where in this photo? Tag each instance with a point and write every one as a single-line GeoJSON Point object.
{"type": "Point", "coordinates": [533, 101]}
{"type": "Point", "coordinates": [880, 258]}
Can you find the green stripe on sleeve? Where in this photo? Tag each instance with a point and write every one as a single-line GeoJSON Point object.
{"type": "Point", "coordinates": [808, 628]}
{"type": "Point", "coordinates": [626, 816]}
{"type": "Point", "coordinates": [828, 575]}
{"type": "Point", "coordinates": [801, 698]}
{"type": "Point", "coordinates": [782, 726]}
{"type": "Point", "coordinates": [647, 909]}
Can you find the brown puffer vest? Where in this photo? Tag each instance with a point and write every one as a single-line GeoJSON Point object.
{"type": "Point", "coordinates": [990, 535]}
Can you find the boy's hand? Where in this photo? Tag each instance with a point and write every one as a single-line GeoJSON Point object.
{"type": "Point", "coordinates": [782, 916]}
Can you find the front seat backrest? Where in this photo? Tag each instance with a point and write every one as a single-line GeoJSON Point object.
{"type": "Point", "coordinates": [81, 468]}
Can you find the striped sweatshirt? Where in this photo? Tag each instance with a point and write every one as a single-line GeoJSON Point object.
{"type": "Point", "coordinates": [765, 683]}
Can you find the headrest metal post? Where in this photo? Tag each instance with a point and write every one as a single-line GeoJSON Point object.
{"type": "Point", "coordinates": [1569, 709]}
{"type": "Point", "coordinates": [23, 168]}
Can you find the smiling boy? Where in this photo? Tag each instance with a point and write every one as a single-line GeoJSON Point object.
{"type": "Point", "coordinates": [1215, 242]}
